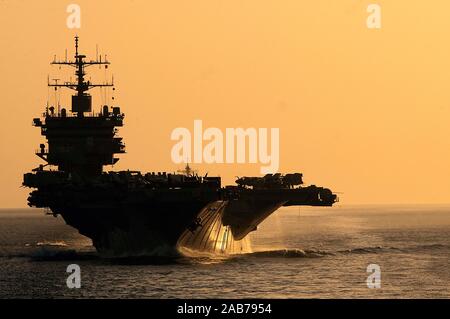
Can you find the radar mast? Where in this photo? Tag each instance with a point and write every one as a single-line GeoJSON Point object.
{"type": "Point", "coordinates": [81, 101]}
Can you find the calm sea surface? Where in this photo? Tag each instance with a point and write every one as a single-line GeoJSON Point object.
{"type": "Point", "coordinates": [311, 252]}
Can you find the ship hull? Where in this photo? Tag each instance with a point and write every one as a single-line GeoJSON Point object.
{"type": "Point", "coordinates": [134, 230]}
{"type": "Point", "coordinates": [136, 221]}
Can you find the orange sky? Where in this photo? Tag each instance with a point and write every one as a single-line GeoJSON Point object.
{"type": "Point", "coordinates": [365, 112]}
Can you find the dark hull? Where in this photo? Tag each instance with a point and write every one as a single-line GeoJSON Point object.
{"type": "Point", "coordinates": [135, 222]}
{"type": "Point", "coordinates": [132, 231]}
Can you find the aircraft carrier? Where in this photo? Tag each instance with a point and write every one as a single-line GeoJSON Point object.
{"type": "Point", "coordinates": [130, 213]}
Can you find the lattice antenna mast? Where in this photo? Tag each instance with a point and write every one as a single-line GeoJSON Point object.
{"type": "Point", "coordinates": [81, 102]}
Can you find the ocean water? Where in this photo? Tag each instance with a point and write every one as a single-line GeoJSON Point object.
{"type": "Point", "coordinates": [296, 253]}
